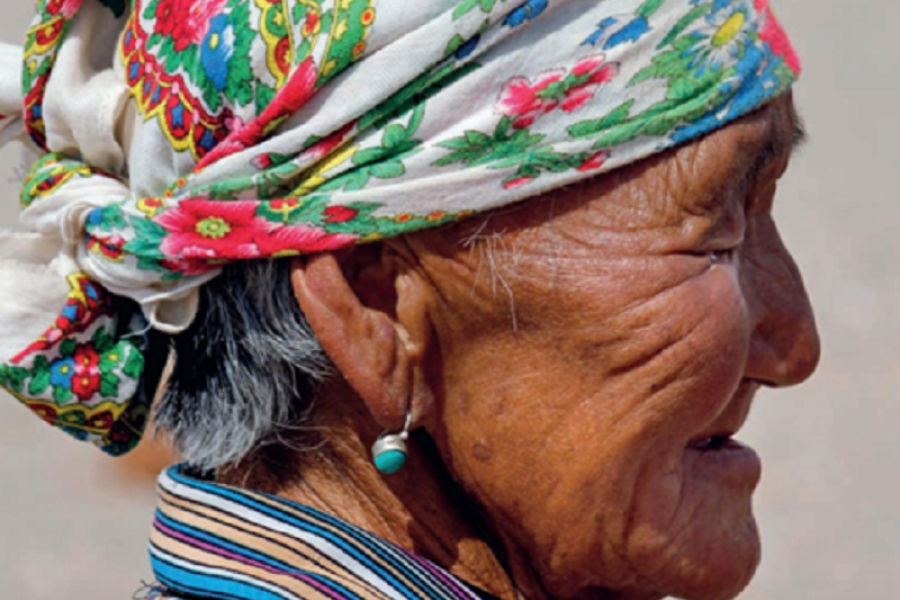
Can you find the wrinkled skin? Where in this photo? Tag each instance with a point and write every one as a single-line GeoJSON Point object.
{"type": "Point", "coordinates": [565, 393]}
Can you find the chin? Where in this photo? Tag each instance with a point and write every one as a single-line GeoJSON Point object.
{"type": "Point", "coordinates": [698, 540]}
{"type": "Point", "coordinates": [717, 557]}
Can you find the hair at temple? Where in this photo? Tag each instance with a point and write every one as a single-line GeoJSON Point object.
{"type": "Point", "coordinates": [245, 371]}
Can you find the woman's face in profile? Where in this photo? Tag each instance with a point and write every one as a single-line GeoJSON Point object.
{"type": "Point", "coordinates": [591, 385]}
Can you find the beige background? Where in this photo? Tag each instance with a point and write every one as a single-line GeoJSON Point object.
{"type": "Point", "coordinates": [829, 505]}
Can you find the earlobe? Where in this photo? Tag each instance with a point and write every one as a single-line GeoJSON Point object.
{"type": "Point", "coordinates": [362, 332]}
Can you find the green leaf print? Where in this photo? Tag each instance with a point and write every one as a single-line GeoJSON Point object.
{"type": "Point", "coordinates": [685, 22]}
{"type": "Point", "coordinates": [616, 117]}
{"type": "Point", "coordinates": [39, 383]}
{"type": "Point", "coordinates": [67, 347]}
{"type": "Point", "coordinates": [134, 365]}
{"type": "Point", "coordinates": [17, 378]}
{"type": "Point", "coordinates": [62, 395]}
{"type": "Point", "coordinates": [109, 385]}
{"type": "Point", "coordinates": [467, 6]}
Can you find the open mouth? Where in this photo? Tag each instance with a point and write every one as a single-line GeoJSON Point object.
{"type": "Point", "coordinates": [723, 441]}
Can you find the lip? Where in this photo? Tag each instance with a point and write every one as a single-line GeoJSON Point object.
{"type": "Point", "coordinates": [730, 461]}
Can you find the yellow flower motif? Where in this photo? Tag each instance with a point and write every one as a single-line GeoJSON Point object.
{"type": "Point", "coordinates": [150, 207]}
{"type": "Point", "coordinates": [729, 30]}
{"type": "Point", "coordinates": [341, 29]}
{"type": "Point", "coordinates": [213, 227]}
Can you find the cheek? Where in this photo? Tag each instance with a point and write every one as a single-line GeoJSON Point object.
{"type": "Point", "coordinates": [563, 432]}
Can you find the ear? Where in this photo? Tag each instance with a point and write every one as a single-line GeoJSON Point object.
{"type": "Point", "coordinates": [369, 310]}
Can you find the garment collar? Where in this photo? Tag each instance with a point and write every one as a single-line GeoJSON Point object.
{"type": "Point", "coordinates": [215, 541]}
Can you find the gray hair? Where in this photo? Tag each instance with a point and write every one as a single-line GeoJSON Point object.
{"type": "Point", "coordinates": [245, 371]}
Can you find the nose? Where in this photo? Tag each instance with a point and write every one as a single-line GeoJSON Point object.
{"type": "Point", "coordinates": [784, 346]}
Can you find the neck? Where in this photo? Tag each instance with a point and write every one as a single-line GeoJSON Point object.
{"type": "Point", "coordinates": [419, 508]}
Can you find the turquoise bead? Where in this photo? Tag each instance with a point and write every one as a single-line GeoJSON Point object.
{"type": "Point", "coordinates": [390, 462]}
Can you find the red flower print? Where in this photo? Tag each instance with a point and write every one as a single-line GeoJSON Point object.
{"type": "Point", "coordinates": [188, 267]}
{"type": "Point", "coordinates": [312, 24]}
{"type": "Point", "coordinates": [526, 101]}
{"type": "Point", "coordinates": [284, 204]}
{"type": "Point", "coordinates": [771, 32]}
{"type": "Point", "coordinates": [302, 239]}
{"type": "Point", "coordinates": [299, 88]}
{"type": "Point", "coordinates": [111, 248]}
{"type": "Point", "coordinates": [594, 161]}
{"type": "Point", "coordinates": [48, 414]}
{"type": "Point", "coordinates": [210, 230]}
{"type": "Point", "coordinates": [326, 146]}
{"type": "Point", "coordinates": [87, 361]}
{"type": "Point", "coordinates": [262, 162]}
{"type": "Point", "coordinates": [65, 7]}
{"type": "Point", "coordinates": [511, 184]}
{"type": "Point", "coordinates": [102, 421]}
{"type": "Point", "coordinates": [86, 378]}
{"type": "Point", "coordinates": [186, 21]}
{"type": "Point", "coordinates": [339, 214]}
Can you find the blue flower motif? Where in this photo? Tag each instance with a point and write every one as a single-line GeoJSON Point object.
{"type": "Point", "coordinates": [630, 33]}
{"type": "Point", "coordinates": [602, 27]}
{"type": "Point", "coordinates": [216, 51]}
{"type": "Point", "coordinates": [95, 217]}
{"type": "Point", "coordinates": [70, 312]}
{"type": "Point", "coordinates": [609, 35]}
{"type": "Point", "coordinates": [755, 80]}
{"type": "Point", "coordinates": [528, 11]}
{"type": "Point", "coordinates": [61, 372]}
{"type": "Point", "coordinates": [78, 434]}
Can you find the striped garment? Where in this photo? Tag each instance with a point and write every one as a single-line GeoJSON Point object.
{"type": "Point", "coordinates": [213, 541]}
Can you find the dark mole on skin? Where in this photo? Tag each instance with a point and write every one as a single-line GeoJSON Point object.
{"type": "Point", "coordinates": [482, 451]}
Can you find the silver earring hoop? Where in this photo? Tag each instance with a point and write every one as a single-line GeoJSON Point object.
{"type": "Point", "coordinates": [389, 450]}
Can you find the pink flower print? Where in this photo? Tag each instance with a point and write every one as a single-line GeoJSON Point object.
{"type": "Point", "coordinates": [511, 184]}
{"type": "Point", "coordinates": [186, 21]}
{"type": "Point", "coordinates": [520, 100]}
{"type": "Point", "coordinates": [596, 73]}
{"type": "Point", "coordinates": [594, 161]}
{"type": "Point", "coordinates": [67, 8]}
{"type": "Point", "coordinates": [301, 239]}
{"type": "Point", "coordinates": [526, 101]}
{"type": "Point", "coordinates": [212, 230]}
{"type": "Point", "coordinates": [326, 146]}
{"type": "Point", "coordinates": [262, 162]}
{"type": "Point", "coordinates": [771, 32]}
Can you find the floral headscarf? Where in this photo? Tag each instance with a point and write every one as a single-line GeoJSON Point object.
{"type": "Point", "coordinates": [179, 135]}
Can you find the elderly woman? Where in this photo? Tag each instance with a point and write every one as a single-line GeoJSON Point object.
{"type": "Point", "coordinates": [392, 378]}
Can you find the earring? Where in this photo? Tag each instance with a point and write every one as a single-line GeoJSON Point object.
{"type": "Point", "coordinates": [389, 450]}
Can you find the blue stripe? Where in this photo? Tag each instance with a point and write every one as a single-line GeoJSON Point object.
{"type": "Point", "coordinates": [421, 577]}
{"type": "Point", "coordinates": [311, 528]}
{"type": "Point", "coordinates": [184, 580]}
{"type": "Point", "coordinates": [222, 543]}
{"type": "Point", "coordinates": [252, 554]}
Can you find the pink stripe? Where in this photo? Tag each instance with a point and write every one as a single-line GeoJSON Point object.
{"type": "Point", "coordinates": [439, 573]}
{"type": "Point", "coordinates": [249, 561]}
